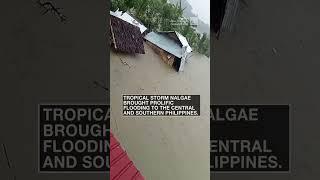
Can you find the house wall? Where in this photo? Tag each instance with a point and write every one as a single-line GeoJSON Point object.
{"type": "Point", "coordinates": [165, 56]}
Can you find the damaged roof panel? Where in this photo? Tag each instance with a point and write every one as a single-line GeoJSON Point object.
{"type": "Point", "coordinates": [130, 19]}
{"type": "Point", "coordinates": [166, 43]}
{"type": "Point", "coordinates": [231, 12]}
{"type": "Point", "coordinates": [125, 36]}
{"type": "Point", "coordinates": [127, 17]}
{"type": "Point", "coordinates": [180, 38]}
{"type": "Point", "coordinates": [184, 42]}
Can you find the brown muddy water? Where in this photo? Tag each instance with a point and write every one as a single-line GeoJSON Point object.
{"type": "Point", "coordinates": [170, 148]}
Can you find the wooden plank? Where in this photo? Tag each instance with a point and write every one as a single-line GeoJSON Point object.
{"type": "Point", "coordinates": [113, 38]}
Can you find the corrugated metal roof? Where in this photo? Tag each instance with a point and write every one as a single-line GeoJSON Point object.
{"type": "Point", "coordinates": [231, 12]}
{"type": "Point", "coordinates": [166, 43]}
{"type": "Point", "coordinates": [183, 40]}
{"type": "Point", "coordinates": [121, 166]}
{"type": "Point", "coordinates": [125, 36]}
{"type": "Point", "coordinates": [128, 18]}
{"type": "Point", "coordinates": [113, 13]}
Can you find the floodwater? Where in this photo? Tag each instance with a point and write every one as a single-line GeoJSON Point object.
{"type": "Point", "coordinates": [170, 148]}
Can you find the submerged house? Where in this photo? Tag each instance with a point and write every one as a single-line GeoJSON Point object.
{"type": "Point", "coordinates": [172, 47]}
{"type": "Point", "coordinates": [124, 36]}
{"type": "Point", "coordinates": [126, 16]}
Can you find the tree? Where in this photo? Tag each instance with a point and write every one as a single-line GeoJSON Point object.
{"type": "Point", "coordinates": [159, 15]}
{"type": "Point", "coordinates": [204, 44]}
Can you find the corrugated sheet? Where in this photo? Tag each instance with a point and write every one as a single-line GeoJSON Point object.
{"type": "Point", "coordinates": [183, 40]}
{"type": "Point", "coordinates": [231, 12]}
{"type": "Point", "coordinates": [128, 18]}
{"type": "Point", "coordinates": [217, 14]}
{"type": "Point", "coordinates": [125, 36]}
{"type": "Point", "coordinates": [166, 43]}
{"type": "Point", "coordinates": [121, 167]}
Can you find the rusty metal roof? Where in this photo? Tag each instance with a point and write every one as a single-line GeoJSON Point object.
{"type": "Point", "coordinates": [125, 36]}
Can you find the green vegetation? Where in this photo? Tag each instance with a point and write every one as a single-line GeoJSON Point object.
{"type": "Point", "coordinates": [159, 15]}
